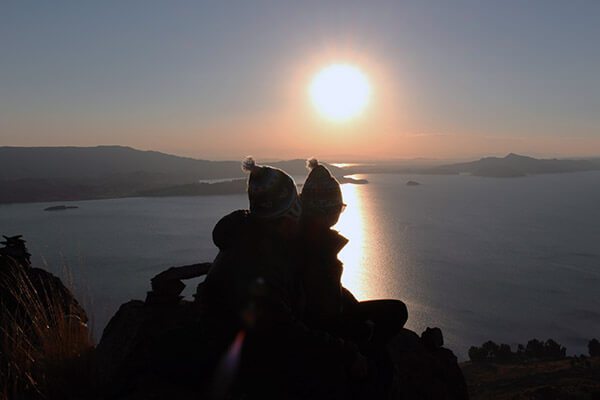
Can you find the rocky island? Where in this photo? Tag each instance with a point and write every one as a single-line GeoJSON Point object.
{"type": "Point", "coordinates": [60, 208]}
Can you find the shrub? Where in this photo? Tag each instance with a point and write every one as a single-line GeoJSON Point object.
{"type": "Point", "coordinates": [504, 353]}
{"type": "Point", "coordinates": [477, 354]}
{"type": "Point", "coordinates": [594, 348]}
{"type": "Point", "coordinates": [553, 349]}
{"type": "Point", "coordinates": [489, 351]}
{"type": "Point", "coordinates": [535, 349]}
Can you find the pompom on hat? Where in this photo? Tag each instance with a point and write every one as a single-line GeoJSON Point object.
{"type": "Point", "coordinates": [271, 192]}
{"type": "Point", "coordinates": [321, 194]}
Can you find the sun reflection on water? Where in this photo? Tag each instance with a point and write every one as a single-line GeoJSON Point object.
{"type": "Point", "coordinates": [373, 269]}
{"type": "Point", "coordinates": [351, 225]}
{"type": "Point", "coordinates": [377, 264]}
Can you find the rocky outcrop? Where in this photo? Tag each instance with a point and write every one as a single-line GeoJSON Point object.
{"type": "Point", "coordinates": [141, 353]}
{"type": "Point", "coordinates": [157, 346]}
{"type": "Point", "coordinates": [154, 346]}
{"type": "Point", "coordinates": [424, 369]}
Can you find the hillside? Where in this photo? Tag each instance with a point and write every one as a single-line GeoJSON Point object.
{"type": "Point", "coordinates": [37, 174]}
{"type": "Point", "coordinates": [514, 165]}
{"type": "Point", "coordinates": [43, 174]}
{"type": "Point", "coordinates": [106, 161]}
{"type": "Point", "coordinates": [569, 378]}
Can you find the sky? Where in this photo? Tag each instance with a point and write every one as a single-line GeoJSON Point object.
{"type": "Point", "coordinates": [219, 80]}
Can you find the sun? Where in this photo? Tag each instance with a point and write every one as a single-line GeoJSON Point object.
{"type": "Point", "coordinates": [340, 92]}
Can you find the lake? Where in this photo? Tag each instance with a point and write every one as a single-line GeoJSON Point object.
{"type": "Point", "coordinates": [482, 258]}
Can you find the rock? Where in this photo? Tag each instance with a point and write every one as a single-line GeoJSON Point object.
{"type": "Point", "coordinates": [412, 183]}
{"type": "Point", "coordinates": [432, 338]}
{"type": "Point", "coordinates": [423, 372]}
{"type": "Point", "coordinates": [162, 346]}
{"type": "Point", "coordinates": [149, 342]}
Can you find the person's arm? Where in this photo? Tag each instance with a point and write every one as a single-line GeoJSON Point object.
{"type": "Point", "coordinates": [169, 283]}
{"type": "Point", "coordinates": [184, 272]}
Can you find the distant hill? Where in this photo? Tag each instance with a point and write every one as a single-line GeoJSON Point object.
{"type": "Point", "coordinates": [43, 174]}
{"type": "Point", "coordinates": [514, 165]}
{"type": "Point", "coordinates": [106, 161]}
{"type": "Point", "coordinates": [36, 174]}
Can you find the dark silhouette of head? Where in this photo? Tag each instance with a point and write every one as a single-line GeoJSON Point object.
{"type": "Point", "coordinates": [273, 197]}
{"type": "Point", "coordinates": [321, 196]}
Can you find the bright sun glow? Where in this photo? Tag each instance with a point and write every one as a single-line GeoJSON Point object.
{"type": "Point", "coordinates": [340, 92]}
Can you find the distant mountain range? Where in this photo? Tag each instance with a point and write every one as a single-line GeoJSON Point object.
{"type": "Point", "coordinates": [110, 161]}
{"type": "Point", "coordinates": [36, 174]}
{"type": "Point", "coordinates": [514, 165]}
{"type": "Point", "coordinates": [43, 174]}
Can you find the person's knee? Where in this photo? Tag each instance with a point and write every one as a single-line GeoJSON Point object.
{"type": "Point", "coordinates": [402, 312]}
{"type": "Point", "coordinates": [396, 313]}
{"type": "Point", "coordinates": [389, 314]}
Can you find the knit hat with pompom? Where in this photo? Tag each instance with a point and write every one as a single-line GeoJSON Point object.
{"type": "Point", "coordinates": [321, 194]}
{"type": "Point", "coordinates": [271, 192]}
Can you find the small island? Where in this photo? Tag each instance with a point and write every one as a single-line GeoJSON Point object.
{"type": "Point", "coordinates": [351, 180]}
{"type": "Point", "coordinates": [59, 208]}
{"type": "Point", "coordinates": [412, 183]}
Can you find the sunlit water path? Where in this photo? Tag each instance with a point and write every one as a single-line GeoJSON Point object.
{"type": "Point", "coordinates": [502, 259]}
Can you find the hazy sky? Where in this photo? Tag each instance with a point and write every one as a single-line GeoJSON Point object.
{"type": "Point", "coordinates": [224, 79]}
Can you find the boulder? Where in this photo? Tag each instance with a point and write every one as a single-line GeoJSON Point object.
{"type": "Point", "coordinates": [423, 371]}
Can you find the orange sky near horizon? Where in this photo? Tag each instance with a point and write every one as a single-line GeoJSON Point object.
{"type": "Point", "coordinates": [371, 136]}
{"type": "Point", "coordinates": [392, 126]}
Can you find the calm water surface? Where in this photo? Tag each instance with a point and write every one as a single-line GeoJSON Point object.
{"type": "Point", "coordinates": [501, 259]}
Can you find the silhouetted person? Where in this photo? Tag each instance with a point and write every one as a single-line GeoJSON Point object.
{"type": "Point", "coordinates": [168, 285]}
{"type": "Point", "coordinates": [330, 306]}
{"type": "Point", "coordinates": [254, 300]}
{"type": "Point", "coordinates": [328, 302]}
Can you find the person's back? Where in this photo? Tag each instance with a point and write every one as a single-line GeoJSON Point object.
{"type": "Point", "coordinates": [321, 274]}
{"type": "Point", "coordinates": [332, 307]}
{"type": "Point", "coordinates": [252, 299]}
{"type": "Point", "coordinates": [250, 255]}
{"type": "Point", "coordinates": [328, 300]}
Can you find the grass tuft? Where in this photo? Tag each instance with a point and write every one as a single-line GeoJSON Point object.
{"type": "Point", "coordinates": [45, 346]}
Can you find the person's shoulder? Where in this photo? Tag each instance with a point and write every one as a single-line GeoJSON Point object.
{"type": "Point", "coordinates": [231, 229]}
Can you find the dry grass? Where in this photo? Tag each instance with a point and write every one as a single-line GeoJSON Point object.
{"type": "Point", "coordinates": [44, 347]}
{"type": "Point", "coordinates": [569, 378]}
